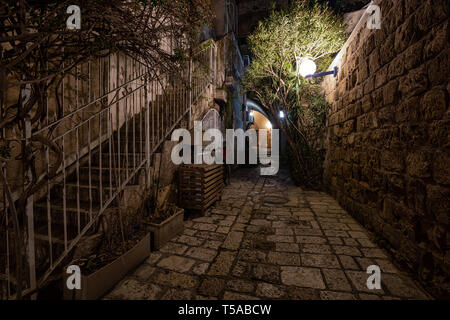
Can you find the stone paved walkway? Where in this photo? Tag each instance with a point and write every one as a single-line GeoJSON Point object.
{"type": "Point", "coordinates": [267, 239]}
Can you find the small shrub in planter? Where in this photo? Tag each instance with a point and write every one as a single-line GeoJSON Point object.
{"type": "Point", "coordinates": [102, 271]}
{"type": "Point", "coordinates": [120, 243]}
{"type": "Point", "coordinates": [162, 218]}
{"type": "Point", "coordinates": [165, 225]}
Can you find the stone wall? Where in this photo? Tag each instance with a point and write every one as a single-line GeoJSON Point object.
{"type": "Point", "coordinates": [388, 151]}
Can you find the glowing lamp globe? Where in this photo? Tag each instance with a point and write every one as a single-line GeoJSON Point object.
{"type": "Point", "coordinates": [307, 67]}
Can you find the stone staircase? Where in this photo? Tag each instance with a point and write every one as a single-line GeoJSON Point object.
{"type": "Point", "coordinates": [98, 176]}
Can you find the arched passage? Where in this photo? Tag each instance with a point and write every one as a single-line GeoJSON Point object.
{"type": "Point", "coordinates": [252, 105]}
{"type": "Point", "coordinates": [260, 122]}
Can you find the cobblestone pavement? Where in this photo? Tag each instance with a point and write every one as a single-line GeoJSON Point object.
{"type": "Point", "coordinates": [268, 239]}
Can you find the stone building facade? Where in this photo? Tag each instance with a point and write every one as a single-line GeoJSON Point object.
{"type": "Point", "coordinates": [388, 150]}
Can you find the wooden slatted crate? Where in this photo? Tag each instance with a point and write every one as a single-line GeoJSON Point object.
{"type": "Point", "coordinates": [200, 186]}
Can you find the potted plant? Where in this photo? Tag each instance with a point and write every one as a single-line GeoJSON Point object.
{"type": "Point", "coordinates": [163, 218]}
{"type": "Point", "coordinates": [96, 281]}
{"type": "Point", "coordinates": [119, 243]}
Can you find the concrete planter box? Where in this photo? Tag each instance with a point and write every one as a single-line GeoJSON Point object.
{"type": "Point", "coordinates": [97, 284]}
{"type": "Point", "coordinates": [166, 230]}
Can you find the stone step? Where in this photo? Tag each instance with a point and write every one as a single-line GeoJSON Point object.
{"type": "Point", "coordinates": [107, 157]}
{"type": "Point", "coordinates": [71, 211]}
{"type": "Point", "coordinates": [72, 189]}
{"type": "Point", "coordinates": [57, 236]}
{"type": "Point", "coordinates": [93, 174]}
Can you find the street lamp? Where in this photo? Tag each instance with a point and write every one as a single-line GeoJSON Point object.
{"type": "Point", "coordinates": [307, 68]}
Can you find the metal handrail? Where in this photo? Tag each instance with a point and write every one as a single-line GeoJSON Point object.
{"type": "Point", "coordinates": [137, 119]}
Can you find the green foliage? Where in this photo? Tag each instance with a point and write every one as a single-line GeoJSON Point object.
{"type": "Point", "coordinates": [307, 29]}
{"type": "Point", "coordinates": [307, 124]}
{"type": "Point", "coordinates": [5, 152]}
{"type": "Point", "coordinates": [178, 56]}
{"type": "Point", "coordinates": [207, 44]}
{"type": "Point", "coordinates": [301, 31]}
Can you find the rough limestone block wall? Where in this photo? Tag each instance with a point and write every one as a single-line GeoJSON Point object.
{"type": "Point", "coordinates": [388, 151]}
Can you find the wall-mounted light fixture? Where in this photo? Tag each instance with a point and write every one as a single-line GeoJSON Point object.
{"type": "Point", "coordinates": [307, 68]}
{"type": "Point", "coordinates": [251, 117]}
{"type": "Point", "coordinates": [281, 114]}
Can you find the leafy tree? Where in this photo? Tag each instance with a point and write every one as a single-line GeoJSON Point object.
{"type": "Point", "coordinates": [306, 29]}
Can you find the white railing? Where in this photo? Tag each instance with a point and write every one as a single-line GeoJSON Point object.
{"type": "Point", "coordinates": [106, 121]}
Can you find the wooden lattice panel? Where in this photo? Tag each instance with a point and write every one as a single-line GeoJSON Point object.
{"type": "Point", "coordinates": [200, 186]}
